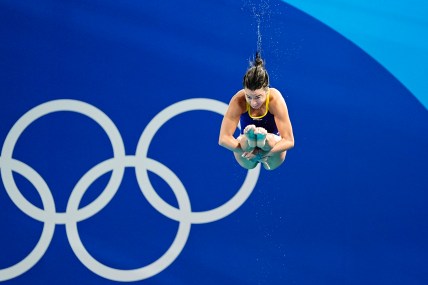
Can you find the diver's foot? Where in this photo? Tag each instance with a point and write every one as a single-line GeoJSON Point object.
{"type": "Point", "coordinates": [249, 134]}
{"type": "Point", "coordinates": [260, 134]}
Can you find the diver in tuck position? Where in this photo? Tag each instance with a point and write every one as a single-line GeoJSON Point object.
{"type": "Point", "coordinates": [266, 131]}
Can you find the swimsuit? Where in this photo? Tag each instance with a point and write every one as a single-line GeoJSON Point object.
{"type": "Point", "coordinates": [266, 121]}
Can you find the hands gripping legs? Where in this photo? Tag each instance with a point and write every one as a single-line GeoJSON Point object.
{"type": "Point", "coordinates": [256, 143]}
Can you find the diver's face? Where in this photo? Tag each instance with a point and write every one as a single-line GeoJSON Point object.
{"type": "Point", "coordinates": [255, 98]}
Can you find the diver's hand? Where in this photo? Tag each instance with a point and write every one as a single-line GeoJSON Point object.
{"type": "Point", "coordinates": [264, 160]}
{"type": "Point", "coordinates": [258, 155]}
{"type": "Point", "coordinates": [252, 156]}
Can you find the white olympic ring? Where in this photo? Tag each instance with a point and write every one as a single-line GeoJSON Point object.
{"type": "Point", "coordinates": [142, 164]}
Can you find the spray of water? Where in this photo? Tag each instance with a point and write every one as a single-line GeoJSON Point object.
{"type": "Point", "coordinates": [261, 14]}
{"type": "Point", "coordinates": [259, 34]}
{"type": "Point", "coordinates": [267, 32]}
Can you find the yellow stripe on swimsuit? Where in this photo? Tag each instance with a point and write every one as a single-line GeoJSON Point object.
{"type": "Point", "coordinates": [266, 111]}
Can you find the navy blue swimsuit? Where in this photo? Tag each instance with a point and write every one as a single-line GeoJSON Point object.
{"type": "Point", "coordinates": [267, 122]}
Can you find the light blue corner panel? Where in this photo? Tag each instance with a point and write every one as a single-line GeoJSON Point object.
{"type": "Point", "coordinates": [395, 33]}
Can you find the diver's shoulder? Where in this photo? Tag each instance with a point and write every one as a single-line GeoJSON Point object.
{"type": "Point", "coordinates": [275, 94]}
{"type": "Point", "coordinates": [239, 96]}
{"type": "Point", "coordinates": [239, 100]}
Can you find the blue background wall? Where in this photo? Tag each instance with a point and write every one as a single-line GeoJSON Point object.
{"type": "Point", "coordinates": [347, 207]}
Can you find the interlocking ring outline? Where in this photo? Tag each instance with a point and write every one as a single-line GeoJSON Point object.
{"type": "Point", "coordinates": [142, 164]}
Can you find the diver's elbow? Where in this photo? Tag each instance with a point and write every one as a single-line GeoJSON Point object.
{"type": "Point", "coordinates": [291, 143]}
{"type": "Point", "coordinates": [221, 141]}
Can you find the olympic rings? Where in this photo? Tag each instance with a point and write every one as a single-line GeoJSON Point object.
{"type": "Point", "coordinates": [117, 164]}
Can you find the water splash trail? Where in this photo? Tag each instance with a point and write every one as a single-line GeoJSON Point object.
{"type": "Point", "coordinates": [264, 12]}
{"type": "Point", "coordinates": [261, 13]}
{"type": "Point", "coordinates": [259, 34]}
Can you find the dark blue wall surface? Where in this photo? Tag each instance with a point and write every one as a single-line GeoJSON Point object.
{"type": "Point", "coordinates": [347, 207]}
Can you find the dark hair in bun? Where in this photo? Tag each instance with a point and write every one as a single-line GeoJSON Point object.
{"type": "Point", "coordinates": [256, 76]}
